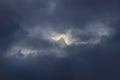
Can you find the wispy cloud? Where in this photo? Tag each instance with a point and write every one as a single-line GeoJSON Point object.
{"type": "Point", "coordinates": [33, 44]}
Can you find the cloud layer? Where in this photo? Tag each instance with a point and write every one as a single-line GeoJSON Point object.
{"type": "Point", "coordinates": [59, 39]}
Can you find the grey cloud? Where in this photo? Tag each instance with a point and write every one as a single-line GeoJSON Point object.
{"type": "Point", "coordinates": [39, 41]}
{"type": "Point", "coordinates": [33, 14]}
{"type": "Point", "coordinates": [28, 27]}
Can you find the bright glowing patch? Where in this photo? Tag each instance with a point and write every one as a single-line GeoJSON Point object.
{"type": "Point", "coordinates": [67, 39]}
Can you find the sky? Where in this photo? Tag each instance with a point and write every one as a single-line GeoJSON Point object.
{"type": "Point", "coordinates": [59, 40]}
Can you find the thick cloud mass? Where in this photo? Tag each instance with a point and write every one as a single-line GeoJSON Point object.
{"type": "Point", "coordinates": [59, 40]}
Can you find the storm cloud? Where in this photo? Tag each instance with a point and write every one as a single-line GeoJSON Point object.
{"type": "Point", "coordinates": [59, 39]}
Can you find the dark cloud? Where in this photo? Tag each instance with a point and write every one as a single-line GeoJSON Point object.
{"type": "Point", "coordinates": [8, 26]}
{"type": "Point", "coordinates": [28, 53]}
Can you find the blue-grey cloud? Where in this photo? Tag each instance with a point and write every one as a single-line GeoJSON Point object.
{"type": "Point", "coordinates": [88, 48]}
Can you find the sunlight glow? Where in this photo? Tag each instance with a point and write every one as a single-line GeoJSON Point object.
{"type": "Point", "coordinates": [67, 39]}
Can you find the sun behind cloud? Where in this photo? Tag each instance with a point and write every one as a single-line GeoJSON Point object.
{"type": "Point", "coordinates": [66, 38]}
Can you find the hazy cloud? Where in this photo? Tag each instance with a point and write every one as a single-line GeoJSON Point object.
{"type": "Point", "coordinates": [59, 39]}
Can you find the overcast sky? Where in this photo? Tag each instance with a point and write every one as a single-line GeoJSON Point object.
{"type": "Point", "coordinates": [59, 39]}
